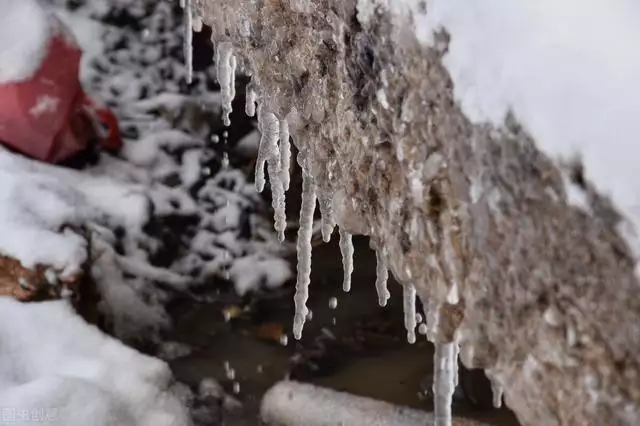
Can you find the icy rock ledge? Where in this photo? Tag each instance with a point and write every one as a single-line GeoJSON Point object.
{"type": "Point", "coordinates": [474, 216]}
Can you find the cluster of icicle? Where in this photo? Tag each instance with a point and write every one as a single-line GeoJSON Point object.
{"type": "Point", "coordinates": [275, 151]}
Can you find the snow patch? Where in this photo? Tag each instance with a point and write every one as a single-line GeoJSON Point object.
{"type": "Point", "coordinates": [53, 363]}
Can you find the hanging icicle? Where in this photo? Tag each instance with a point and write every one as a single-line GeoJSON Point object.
{"type": "Point", "coordinates": [226, 71]}
{"type": "Point", "coordinates": [304, 252]}
{"type": "Point", "coordinates": [188, 38]}
{"type": "Point", "coordinates": [409, 304]}
{"type": "Point", "coordinates": [443, 382]}
{"type": "Point", "coordinates": [269, 152]}
{"type": "Point", "coordinates": [250, 101]}
{"type": "Point", "coordinates": [497, 390]}
{"type": "Point", "coordinates": [382, 276]}
{"type": "Point", "coordinates": [197, 23]}
{"type": "Point", "coordinates": [326, 211]}
{"type": "Point", "coordinates": [346, 248]}
{"type": "Point", "coordinates": [285, 153]}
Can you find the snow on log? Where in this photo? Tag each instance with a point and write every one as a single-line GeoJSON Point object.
{"type": "Point", "coordinates": [460, 203]}
{"type": "Point", "coordinates": [294, 404]}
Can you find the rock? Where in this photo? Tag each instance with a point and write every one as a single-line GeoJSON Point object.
{"type": "Point", "coordinates": [373, 112]}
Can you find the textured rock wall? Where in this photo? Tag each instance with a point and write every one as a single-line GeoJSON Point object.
{"type": "Point", "coordinates": [548, 300]}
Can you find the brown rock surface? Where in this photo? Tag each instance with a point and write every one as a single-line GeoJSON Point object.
{"type": "Point", "coordinates": [550, 299]}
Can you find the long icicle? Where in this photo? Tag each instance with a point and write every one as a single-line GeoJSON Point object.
{"type": "Point", "coordinates": [269, 152]}
{"type": "Point", "coordinates": [382, 276]}
{"type": "Point", "coordinates": [409, 304]}
{"type": "Point", "coordinates": [226, 72]}
{"type": "Point", "coordinates": [285, 153]}
{"type": "Point", "coordinates": [346, 248]}
{"type": "Point", "coordinates": [304, 253]}
{"type": "Point", "coordinates": [443, 382]}
{"type": "Point", "coordinates": [188, 38]}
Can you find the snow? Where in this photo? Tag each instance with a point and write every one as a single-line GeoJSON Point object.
{"type": "Point", "coordinates": [568, 69]}
{"type": "Point", "coordinates": [252, 272]}
{"type": "Point", "coordinates": [22, 51]}
{"type": "Point", "coordinates": [39, 201]}
{"type": "Point", "coordinates": [55, 365]}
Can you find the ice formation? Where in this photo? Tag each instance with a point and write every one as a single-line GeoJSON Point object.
{"type": "Point", "coordinates": [346, 248]}
{"type": "Point", "coordinates": [382, 276]}
{"type": "Point", "coordinates": [226, 72]}
{"type": "Point", "coordinates": [285, 154]}
{"type": "Point", "coordinates": [188, 37]}
{"type": "Point", "coordinates": [304, 253]}
{"type": "Point", "coordinates": [409, 304]}
{"type": "Point", "coordinates": [269, 152]}
{"type": "Point", "coordinates": [497, 390]}
{"type": "Point", "coordinates": [444, 361]}
{"type": "Point", "coordinates": [250, 101]}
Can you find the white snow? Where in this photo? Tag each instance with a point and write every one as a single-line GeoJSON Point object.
{"type": "Point", "coordinates": [252, 272]}
{"type": "Point", "coordinates": [55, 366]}
{"type": "Point", "coordinates": [567, 68]}
{"type": "Point", "coordinates": [39, 200]}
{"type": "Point", "coordinates": [44, 105]}
{"type": "Point", "coordinates": [25, 29]}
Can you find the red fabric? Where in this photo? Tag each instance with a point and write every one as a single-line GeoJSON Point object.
{"type": "Point", "coordinates": [44, 117]}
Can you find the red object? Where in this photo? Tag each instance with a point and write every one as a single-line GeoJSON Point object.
{"type": "Point", "coordinates": [49, 117]}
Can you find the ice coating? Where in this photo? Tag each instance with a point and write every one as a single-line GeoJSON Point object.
{"type": "Point", "coordinates": [409, 303]}
{"type": "Point", "coordinates": [304, 253]}
{"type": "Point", "coordinates": [497, 390]}
{"type": "Point", "coordinates": [269, 152]}
{"type": "Point", "coordinates": [328, 222]}
{"type": "Point", "coordinates": [382, 276]}
{"type": "Point", "coordinates": [197, 23]}
{"type": "Point", "coordinates": [250, 101]}
{"type": "Point", "coordinates": [226, 72]}
{"type": "Point", "coordinates": [285, 154]}
{"type": "Point", "coordinates": [443, 382]}
{"type": "Point", "coordinates": [188, 38]}
{"type": "Point", "coordinates": [346, 249]}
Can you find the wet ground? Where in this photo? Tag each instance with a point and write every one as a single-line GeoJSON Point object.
{"type": "Point", "coordinates": [357, 347]}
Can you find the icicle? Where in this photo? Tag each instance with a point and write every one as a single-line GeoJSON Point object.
{"type": "Point", "coordinates": [382, 275]}
{"type": "Point", "coordinates": [346, 248]}
{"type": "Point", "coordinates": [197, 23]}
{"type": "Point", "coordinates": [250, 101]}
{"type": "Point", "coordinates": [497, 391]}
{"type": "Point", "coordinates": [188, 38]}
{"type": "Point", "coordinates": [226, 71]}
{"type": "Point", "coordinates": [409, 303]}
{"type": "Point", "coordinates": [443, 382]}
{"type": "Point", "coordinates": [456, 353]}
{"type": "Point", "coordinates": [285, 154]}
{"type": "Point", "coordinates": [269, 152]}
{"type": "Point", "coordinates": [304, 253]}
{"type": "Point", "coordinates": [328, 223]}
